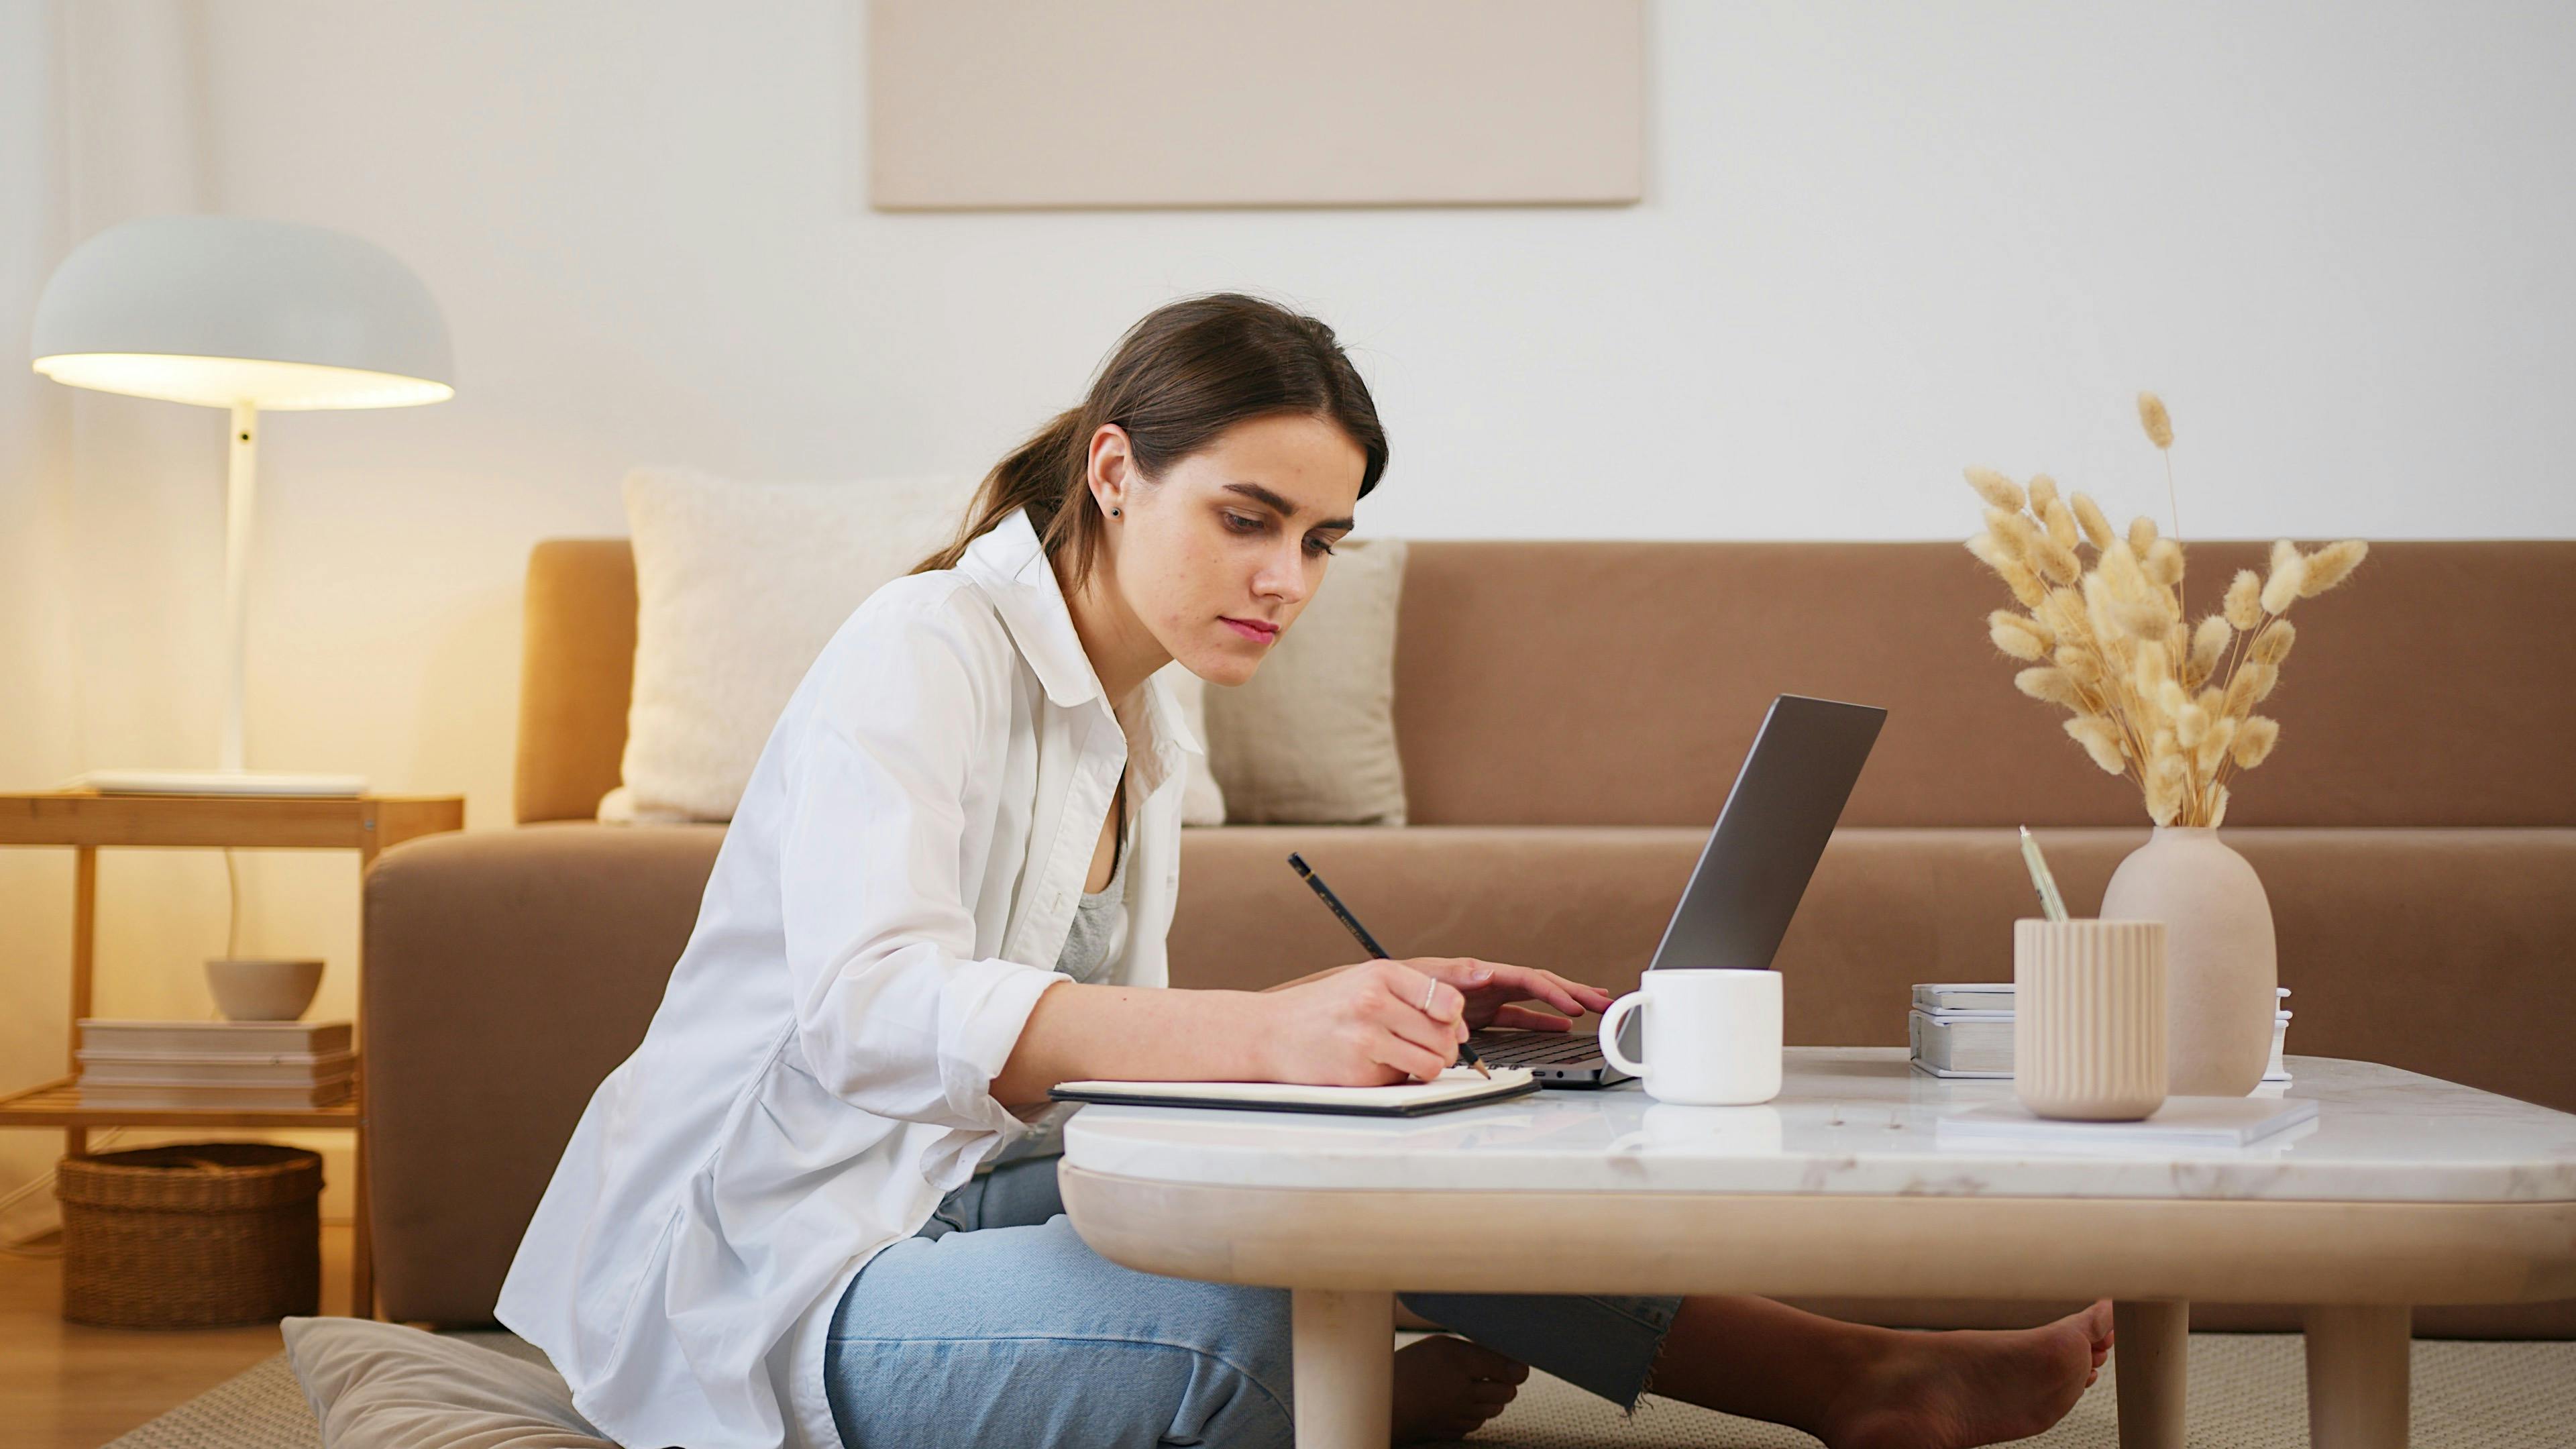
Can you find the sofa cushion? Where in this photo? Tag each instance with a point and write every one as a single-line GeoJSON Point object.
{"type": "Point", "coordinates": [385, 1386]}
{"type": "Point", "coordinates": [738, 587]}
{"type": "Point", "coordinates": [1310, 738]}
{"type": "Point", "coordinates": [1617, 683]}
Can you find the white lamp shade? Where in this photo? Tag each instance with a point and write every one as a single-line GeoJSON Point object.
{"type": "Point", "coordinates": [223, 310]}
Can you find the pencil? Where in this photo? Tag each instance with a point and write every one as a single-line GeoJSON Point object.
{"type": "Point", "coordinates": [2051, 904]}
{"type": "Point", "coordinates": [1306, 873]}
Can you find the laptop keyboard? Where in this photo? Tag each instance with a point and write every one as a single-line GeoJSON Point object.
{"type": "Point", "coordinates": [1535, 1048]}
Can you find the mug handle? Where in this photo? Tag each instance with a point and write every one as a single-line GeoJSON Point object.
{"type": "Point", "coordinates": [1611, 1021]}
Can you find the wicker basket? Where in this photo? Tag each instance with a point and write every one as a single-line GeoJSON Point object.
{"type": "Point", "coordinates": [191, 1236]}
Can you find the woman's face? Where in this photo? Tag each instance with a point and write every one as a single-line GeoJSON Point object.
{"type": "Point", "coordinates": [1218, 556]}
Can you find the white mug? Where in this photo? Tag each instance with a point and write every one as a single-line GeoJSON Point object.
{"type": "Point", "coordinates": [1712, 1039]}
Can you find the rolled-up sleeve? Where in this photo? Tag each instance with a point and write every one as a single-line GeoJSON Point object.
{"type": "Point", "coordinates": [895, 1013]}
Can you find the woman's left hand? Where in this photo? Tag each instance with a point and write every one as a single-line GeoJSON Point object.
{"type": "Point", "coordinates": [1494, 992]}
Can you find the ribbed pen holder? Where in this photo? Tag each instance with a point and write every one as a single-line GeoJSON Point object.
{"type": "Point", "coordinates": [2089, 1018]}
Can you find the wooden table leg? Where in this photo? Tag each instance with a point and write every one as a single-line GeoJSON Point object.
{"type": "Point", "coordinates": [1345, 1368]}
{"type": "Point", "coordinates": [2152, 1347]}
{"type": "Point", "coordinates": [2358, 1371]}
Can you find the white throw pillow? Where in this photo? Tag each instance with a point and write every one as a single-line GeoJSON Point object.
{"type": "Point", "coordinates": [385, 1386]}
{"type": "Point", "coordinates": [1310, 738]}
{"type": "Point", "coordinates": [738, 587]}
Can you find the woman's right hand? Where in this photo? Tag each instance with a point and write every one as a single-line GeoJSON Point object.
{"type": "Point", "coordinates": [1365, 1025]}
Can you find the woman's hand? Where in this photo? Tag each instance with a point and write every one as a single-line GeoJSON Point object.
{"type": "Point", "coordinates": [1381, 1022]}
{"type": "Point", "coordinates": [1494, 991]}
{"type": "Point", "coordinates": [1369, 1025]}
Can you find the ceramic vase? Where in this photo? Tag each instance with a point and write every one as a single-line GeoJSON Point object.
{"type": "Point", "coordinates": [2221, 977]}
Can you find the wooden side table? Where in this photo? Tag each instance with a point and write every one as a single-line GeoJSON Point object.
{"type": "Point", "coordinates": [86, 820]}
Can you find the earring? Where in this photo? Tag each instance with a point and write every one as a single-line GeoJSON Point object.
{"type": "Point", "coordinates": [1113, 513]}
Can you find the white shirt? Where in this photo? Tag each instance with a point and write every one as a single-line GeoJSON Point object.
{"type": "Point", "coordinates": [903, 866]}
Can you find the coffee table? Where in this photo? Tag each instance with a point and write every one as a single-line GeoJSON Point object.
{"type": "Point", "coordinates": [2405, 1189]}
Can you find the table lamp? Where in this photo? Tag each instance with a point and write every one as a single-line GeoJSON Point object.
{"type": "Point", "coordinates": [240, 313]}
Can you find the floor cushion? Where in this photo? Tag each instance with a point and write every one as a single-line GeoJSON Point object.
{"type": "Point", "coordinates": [387, 1386]}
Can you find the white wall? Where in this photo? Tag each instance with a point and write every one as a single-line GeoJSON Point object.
{"type": "Point", "coordinates": [1880, 242]}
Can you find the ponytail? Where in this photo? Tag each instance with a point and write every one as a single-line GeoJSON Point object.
{"type": "Point", "coordinates": [1031, 477]}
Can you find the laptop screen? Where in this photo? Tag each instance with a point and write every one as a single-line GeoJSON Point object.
{"type": "Point", "coordinates": [1769, 835]}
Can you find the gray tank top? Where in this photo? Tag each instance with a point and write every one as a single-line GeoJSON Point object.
{"type": "Point", "coordinates": [1096, 915]}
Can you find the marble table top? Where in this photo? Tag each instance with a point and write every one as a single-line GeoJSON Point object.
{"type": "Point", "coordinates": [1861, 1120]}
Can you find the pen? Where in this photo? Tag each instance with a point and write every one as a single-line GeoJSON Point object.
{"type": "Point", "coordinates": [1306, 873]}
{"type": "Point", "coordinates": [2051, 904]}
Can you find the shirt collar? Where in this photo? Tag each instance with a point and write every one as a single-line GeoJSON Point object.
{"type": "Point", "coordinates": [1009, 562]}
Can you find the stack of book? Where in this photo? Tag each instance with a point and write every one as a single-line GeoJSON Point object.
{"type": "Point", "coordinates": [248, 1066]}
{"type": "Point", "coordinates": [1965, 1029]}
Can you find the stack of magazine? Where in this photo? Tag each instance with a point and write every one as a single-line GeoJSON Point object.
{"type": "Point", "coordinates": [242, 1066]}
{"type": "Point", "coordinates": [1965, 1029]}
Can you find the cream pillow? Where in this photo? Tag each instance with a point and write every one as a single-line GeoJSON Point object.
{"type": "Point", "coordinates": [384, 1386]}
{"type": "Point", "coordinates": [1310, 739]}
{"type": "Point", "coordinates": [738, 587]}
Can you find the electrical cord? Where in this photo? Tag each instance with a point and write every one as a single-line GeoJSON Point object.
{"type": "Point", "coordinates": [232, 905]}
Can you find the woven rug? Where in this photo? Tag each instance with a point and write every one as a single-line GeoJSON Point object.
{"type": "Point", "coordinates": [2248, 1391]}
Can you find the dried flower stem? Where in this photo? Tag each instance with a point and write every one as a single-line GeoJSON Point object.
{"type": "Point", "coordinates": [2173, 507]}
{"type": "Point", "coordinates": [2162, 702]}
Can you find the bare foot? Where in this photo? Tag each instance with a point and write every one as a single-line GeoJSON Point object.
{"type": "Point", "coordinates": [1970, 1386]}
{"type": "Point", "coordinates": [1445, 1388]}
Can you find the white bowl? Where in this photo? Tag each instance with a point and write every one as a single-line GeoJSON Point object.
{"type": "Point", "coordinates": [262, 990]}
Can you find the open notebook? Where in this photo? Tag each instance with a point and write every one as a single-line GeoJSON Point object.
{"type": "Point", "coordinates": [1456, 1087]}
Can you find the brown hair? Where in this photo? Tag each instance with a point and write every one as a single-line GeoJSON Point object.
{"type": "Point", "coordinates": [1181, 376]}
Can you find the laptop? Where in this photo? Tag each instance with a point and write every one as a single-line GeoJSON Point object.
{"type": "Point", "coordinates": [1751, 873]}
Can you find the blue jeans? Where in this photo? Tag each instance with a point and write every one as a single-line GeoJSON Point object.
{"type": "Point", "coordinates": [997, 1325]}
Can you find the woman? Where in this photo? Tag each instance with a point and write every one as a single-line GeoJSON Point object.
{"type": "Point", "coordinates": [816, 1207]}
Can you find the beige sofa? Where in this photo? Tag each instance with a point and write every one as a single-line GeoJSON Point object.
{"type": "Point", "coordinates": [1570, 716]}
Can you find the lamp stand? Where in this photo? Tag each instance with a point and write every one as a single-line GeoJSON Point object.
{"type": "Point", "coordinates": [241, 497]}
{"type": "Point", "coordinates": [241, 492]}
